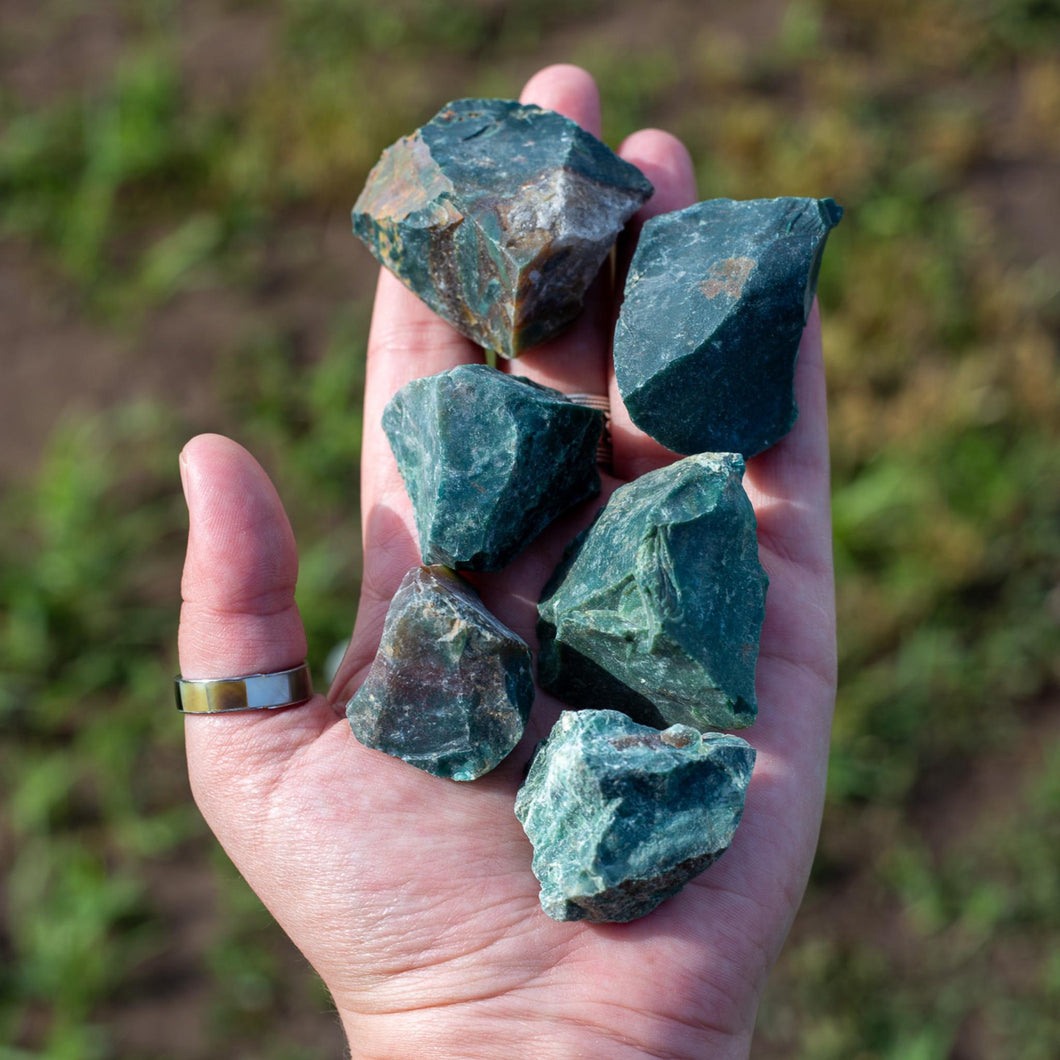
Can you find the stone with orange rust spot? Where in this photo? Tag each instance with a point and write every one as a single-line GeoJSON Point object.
{"type": "Point", "coordinates": [499, 216]}
{"type": "Point", "coordinates": [715, 304]}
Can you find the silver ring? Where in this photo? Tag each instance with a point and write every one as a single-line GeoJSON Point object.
{"type": "Point", "coordinates": [287, 688]}
{"type": "Point", "coordinates": [601, 402]}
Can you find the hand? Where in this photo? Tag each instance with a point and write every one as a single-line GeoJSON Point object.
{"type": "Point", "coordinates": [413, 896]}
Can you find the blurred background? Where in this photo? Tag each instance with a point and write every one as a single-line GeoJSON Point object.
{"type": "Point", "coordinates": [175, 255]}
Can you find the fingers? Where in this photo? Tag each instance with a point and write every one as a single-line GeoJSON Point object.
{"type": "Point", "coordinates": [788, 486]}
{"type": "Point", "coordinates": [663, 159]}
{"type": "Point", "coordinates": [239, 617]}
{"type": "Point", "coordinates": [568, 90]}
{"type": "Point", "coordinates": [789, 483]}
{"type": "Point", "coordinates": [576, 361]}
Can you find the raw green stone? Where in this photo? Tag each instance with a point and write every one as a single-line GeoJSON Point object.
{"type": "Point", "coordinates": [715, 303]}
{"type": "Point", "coordinates": [498, 215]}
{"type": "Point", "coordinates": [489, 460]}
{"type": "Point", "coordinates": [622, 816]}
{"type": "Point", "coordinates": [451, 688]}
{"type": "Point", "coordinates": [656, 609]}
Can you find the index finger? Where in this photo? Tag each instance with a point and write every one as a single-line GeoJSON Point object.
{"type": "Point", "coordinates": [406, 341]}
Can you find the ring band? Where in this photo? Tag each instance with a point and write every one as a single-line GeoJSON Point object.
{"type": "Point", "coordinates": [287, 688]}
{"type": "Point", "coordinates": [601, 402]}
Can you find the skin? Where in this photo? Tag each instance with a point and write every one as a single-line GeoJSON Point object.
{"type": "Point", "coordinates": [412, 896]}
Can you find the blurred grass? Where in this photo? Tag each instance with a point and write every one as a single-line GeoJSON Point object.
{"type": "Point", "coordinates": [930, 927]}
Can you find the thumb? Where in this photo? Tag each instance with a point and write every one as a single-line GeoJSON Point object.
{"type": "Point", "coordinates": [239, 617]}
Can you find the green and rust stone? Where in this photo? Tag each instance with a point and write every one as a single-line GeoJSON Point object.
{"type": "Point", "coordinates": [656, 609]}
{"type": "Point", "coordinates": [716, 300]}
{"type": "Point", "coordinates": [622, 816]}
{"type": "Point", "coordinates": [498, 215]}
{"type": "Point", "coordinates": [489, 460]}
{"type": "Point", "coordinates": [450, 688]}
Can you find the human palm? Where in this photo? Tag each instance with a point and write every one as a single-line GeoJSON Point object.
{"type": "Point", "coordinates": [412, 896]}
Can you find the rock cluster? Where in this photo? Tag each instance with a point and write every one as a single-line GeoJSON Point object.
{"type": "Point", "coordinates": [498, 216]}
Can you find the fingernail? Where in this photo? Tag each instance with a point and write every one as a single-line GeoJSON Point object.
{"type": "Point", "coordinates": [184, 474]}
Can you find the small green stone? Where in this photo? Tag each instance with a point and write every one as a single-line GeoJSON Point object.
{"type": "Point", "coordinates": [622, 816]}
{"type": "Point", "coordinates": [715, 304]}
{"type": "Point", "coordinates": [656, 609]}
{"type": "Point", "coordinates": [451, 688]}
{"type": "Point", "coordinates": [498, 215]}
{"type": "Point", "coordinates": [489, 460]}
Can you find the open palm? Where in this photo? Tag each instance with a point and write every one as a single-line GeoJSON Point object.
{"type": "Point", "coordinates": [412, 896]}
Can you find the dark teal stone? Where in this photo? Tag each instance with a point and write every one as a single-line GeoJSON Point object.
{"type": "Point", "coordinates": [450, 688]}
{"type": "Point", "coordinates": [715, 303]}
{"type": "Point", "coordinates": [622, 816]}
{"type": "Point", "coordinates": [489, 460]}
{"type": "Point", "coordinates": [499, 216]}
{"type": "Point", "coordinates": [656, 609]}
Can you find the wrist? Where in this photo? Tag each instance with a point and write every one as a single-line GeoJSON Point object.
{"type": "Point", "coordinates": [455, 1034]}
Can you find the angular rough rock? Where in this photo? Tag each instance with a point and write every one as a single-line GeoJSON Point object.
{"type": "Point", "coordinates": [498, 215]}
{"type": "Point", "coordinates": [489, 460]}
{"type": "Point", "coordinates": [715, 303]}
{"type": "Point", "coordinates": [656, 609]}
{"type": "Point", "coordinates": [622, 816]}
{"type": "Point", "coordinates": [451, 688]}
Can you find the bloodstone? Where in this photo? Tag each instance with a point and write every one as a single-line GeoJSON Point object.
{"type": "Point", "coordinates": [715, 303]}
{"type": "Point", "coordinates": [498, 215]}
{"type": "Point", "coordinates": [451, 688]}
{"type": "Point", "coordinates": [622, 816]}
{"type": "Point", "coordinates": [489, 460]}
{"type": "Point", "coordinates": [657, 607]}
